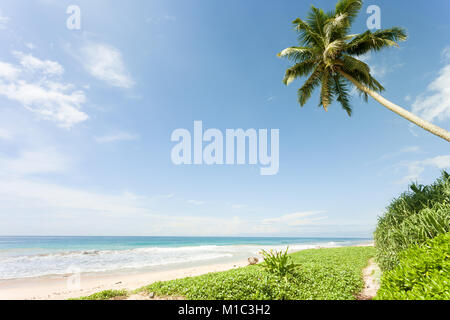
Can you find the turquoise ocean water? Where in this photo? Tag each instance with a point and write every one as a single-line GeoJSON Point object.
{"type": "Point", "coordinates": [23, 257]}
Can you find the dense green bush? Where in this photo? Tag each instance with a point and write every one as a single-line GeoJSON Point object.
{"type": "Point", "coordinates": [332, 274]}
{"type": "Point", "coordinates": [422, 274]}
{"type": "Point", "coordinates": [416, 216]}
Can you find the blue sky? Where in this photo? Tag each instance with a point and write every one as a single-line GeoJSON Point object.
{"type": "Point", "coordinates": [86, 118]}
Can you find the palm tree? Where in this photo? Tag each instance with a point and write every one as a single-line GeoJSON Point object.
{"type": "Point", "coordinates": [328, 56]}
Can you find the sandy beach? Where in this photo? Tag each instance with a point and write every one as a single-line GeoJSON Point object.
{"type": "Point", "coordinates": [59, 288]}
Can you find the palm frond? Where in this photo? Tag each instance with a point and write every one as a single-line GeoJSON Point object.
{"type": "Point", "coordinates": [307, 36]}
{"type": "Point", "coordinates": [305, 92]}
{"type": "Point", "coordinates": [297, 54]}
{"type": "Point", "coordinates": [349, 7]}
{"type": "Point", "coordinates": [368, 81]}
{"type": "Point", "coordinates": [334, 49]}
{"type": "Point", "coordinates": [376, 41]}
{"type": "Point", "coordinates": [336, 27]}
{"type": "Point", "coordinates": [342, 93]}
{"type": "Point", "coordinates": [299, 70]}
{"type": "Point", "coordinates": [354, 65]}
{"type": "Point", "coordinates": [394, 34]}
{"type": "Point", "coordinates": [316, 20]}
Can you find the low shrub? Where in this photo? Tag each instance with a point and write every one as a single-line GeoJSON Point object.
{"type": "Point", "coordinates": [105, 295]}
{"type": "Point", "coordinates": [278, 262]}
{"type": "Point", "coordinates": [423, 273]}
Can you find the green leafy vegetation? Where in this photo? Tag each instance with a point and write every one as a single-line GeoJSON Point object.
{"type": "Point", "coordinates": [413, 244]}
{"type": "Point", "coordinates": [334, 274]}
{"type": "Point", "coordinates": [422, 274]}
{"type": "Point", "coordinates": [418, 215]}
{"type": "Point", "coordinates": [105, 295]}
{"type": "Point", "coordinates": [278, 262]}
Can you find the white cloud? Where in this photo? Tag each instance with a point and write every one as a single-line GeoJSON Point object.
{"type": "Point", "coordinates": [294, 219]}
{"type": "Point", "coordinates": [31, 63]}
{"type": "Point", "coordinates": [289, 223]}
{"type": "Point", "coordinates": [196, 203]}
{"type": "Point", "coordinates": [239, 206]}
{"type": "Point", "coordinates": [440, 162]}
{"type": "Point", "coordinates": [160, 19]}
{"type": "Point", "coordinates": [365, 57]}
{"type": "Point", "coordinates": [379, 70]}
{"type": "Point", "coordinates": [396, 154]}
{"type": "Point", "coordinates": [115, 137]}
{"type": "Point", "coordinates": [163, 196]}
{"type": "Point", "coordinates": [48, 98]}
{"type": "Point", "coordinates": [446, 54]}
{"type": "Point", "coordinates": [235, 225]}
{"type": "Point", "coordinates": [40, 195]}
{"type": "Point", "coordinates": [411, 149]}
{"type": "Point", "coordinates": [105, 63]}
{"type": "Point", "coordinates": [434, 103]}
{"type": "Point", "coordinates": [80, 211]}
{"type": "Point", "coordinates": [5, 135]}
{"type": "Point", "coordinates": [18, 186]}
{"type": "Point", "coordinates": [8, 71]}
{"type": "Point", "coordinates": [26, 192]}
{"type": "Point", "coordinates": [31, 162]}
{"type": "Point", "coordinates": [416, 168]}
{"type": "Point", "coordinates": [47, 101]}
{"type": "Point", "coordinates": [3, 21]}
{"type": "Point", "coordinates": [30, 45]}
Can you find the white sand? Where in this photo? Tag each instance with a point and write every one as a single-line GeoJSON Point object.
{"type": "Point", "coordinates": [58, 289]}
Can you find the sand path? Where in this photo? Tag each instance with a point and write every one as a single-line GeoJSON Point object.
{"type": "Point", "coordinates": [371, 276]}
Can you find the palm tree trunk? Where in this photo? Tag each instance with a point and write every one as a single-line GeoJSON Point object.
{"type": "Point", "coordinates": [444, 134]}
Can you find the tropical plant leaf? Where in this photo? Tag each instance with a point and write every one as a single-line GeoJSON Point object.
{"type": "Point", "coordinates": [299, 70]}
{"type": "Point", "coordinates": [307, 35]}
{"type": "Point", "coordinates": [305, 92]}
{"type": "Point", "coordinates": [349, 7]}
{"type": "Point", "coordinates": [297, 54]}
{"type": "Point", "coordinates": [342, 93]}
{"type": "Point", "coordinates": [376, 41]}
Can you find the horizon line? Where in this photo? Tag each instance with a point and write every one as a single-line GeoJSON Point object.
{"type": "Point", "coordinates": [189, 236]}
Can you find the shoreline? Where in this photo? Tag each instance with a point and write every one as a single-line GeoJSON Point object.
{"type": "Point", "coordinates": [57, 288]}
